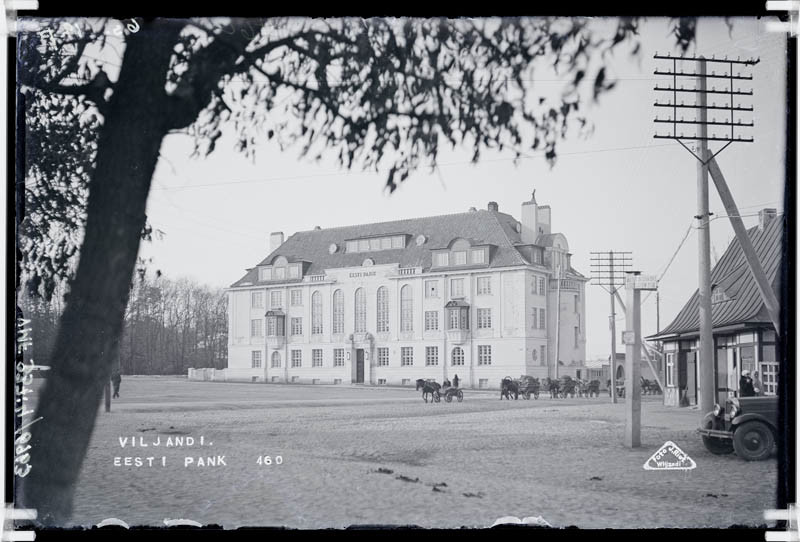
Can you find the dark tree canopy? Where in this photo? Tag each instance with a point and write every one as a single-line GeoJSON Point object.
{"type": "Point", "coordinates": [377, 94]}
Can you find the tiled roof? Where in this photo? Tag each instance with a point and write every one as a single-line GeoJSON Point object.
{"type": "Point", "coordinates": [731, 273]}
{"type": "Point", "coordinates": [479, 227]}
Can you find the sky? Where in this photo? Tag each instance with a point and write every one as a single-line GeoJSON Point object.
{"type": "Point", "coordinates": [619, 189]}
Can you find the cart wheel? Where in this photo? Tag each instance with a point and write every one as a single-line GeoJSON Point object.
{"type": "Point", "coordinates": [460, 396]}
{"type": "Point", "coordinates": [527, 395]}
{"type": "Point", "coordinates": [448, 398]}
{"type": "Point", "coordinates": [436, 397]}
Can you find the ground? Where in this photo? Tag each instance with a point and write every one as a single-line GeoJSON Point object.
{"type": "Point", "coordinates": [362, 455]}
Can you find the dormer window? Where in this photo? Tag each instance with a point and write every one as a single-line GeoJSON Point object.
{"type": "Point", "coordinates": [294, 271]}
{"type": "Point", "coordinates": [265, 273]}
{"type": "Point", "coordinates": [460, 258]}
{"type": "Point", "coordinates": [718, 295]}
{"type": "Point", "coordinates": [478, 256]}
{"type": "Point", "coordinates": [443, 259]}
{"type": "Point", "coordinates": [373, 244]}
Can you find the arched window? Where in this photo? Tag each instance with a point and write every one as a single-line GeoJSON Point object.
{"type": "Point", "coordinates": [457, 358]}
{"type": "Point", "coordinates": [276, 359]}
{"type": "Point", "coordinates": [316, 313]}
{"type": "Point", "coordinates": [383, 309]}
{"type": "Point", "coordinates": [338, 312]}
{"type": "Point", "coordinates": [406, 308]}
{"type": "Point", "coordinates": [361, 311]}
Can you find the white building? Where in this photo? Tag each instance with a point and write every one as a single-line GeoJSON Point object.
{"type": "Point", "coordinates": [472, 294]}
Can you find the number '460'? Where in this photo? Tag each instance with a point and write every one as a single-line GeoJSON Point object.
{"type": "Point", "coordinates": [269, 460]}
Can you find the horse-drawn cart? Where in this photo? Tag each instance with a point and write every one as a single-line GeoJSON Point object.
{"type": "Point", "coordinates": [451, 392]}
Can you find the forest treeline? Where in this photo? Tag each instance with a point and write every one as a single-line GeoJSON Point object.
{"type": "Point", "coordinates": [170, 325]}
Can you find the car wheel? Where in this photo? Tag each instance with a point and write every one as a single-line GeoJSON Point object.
{"type": "Point", "coordinates": [717, 446]}
{"type": "Point", "coordinates": [753, 441]}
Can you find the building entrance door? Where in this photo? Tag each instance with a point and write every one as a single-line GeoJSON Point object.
{"type": "Point", "coordinates": [691, 378]}
{"type": "Point", "coordinates": [360, 366]}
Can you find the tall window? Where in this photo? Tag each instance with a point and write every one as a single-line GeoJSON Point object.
{"type": "Point", "coordinates": [484, 318]}
{"type": "Point", "coordinates": [406, 308]}
{"type": "Point", "coordinates": [544, 355]}
{"type": "Point", "coordinates": [316, 357]}
{"type": "Point", "coordinates": [457, 358]}
{"type": "Point", "coordinates": [484, 285]}
{"type": "Point", "coordinates": [338, 312]}
{"type": "Point", "coordinates": [484, 354]}
{"type": "Point", "coordinates": [670, 369]}
{"type": "Point", "coordinates": [276, 300]}
{"type": "Point", "coordinates": [338, 357]}
{"type": "Point", "coordinates": [383, 309]}
{"type": "Point", "coordinates": [576, 303]}
{"type": "Point", "coordinates": [383, 357]}
{"type": "Point", "coordinates": [406, 356]}
{"type": "Point", "coordinates": [296, 326]}
{"type": "Point", "coordinates": [257, 300]}
{"type": "Point", "coordinates": [316, 313]}
{"type": "Point", "coordinates": [431, 288]}
{"type": "Point", "coordinates": [255, 359]}
{"type": "Point", "coordinates": [456, 287]}
{"type": "Point", "coordinates": [297, 297]}
{"type": "Point", "coordinates": [541, 319]}
{"type": "Point", "coordinates": [297, 358]}
{"type": "Point", "coordinates": [431, 320]}
{"type": "Point", "coordinates": [541, 286]}
{"type": "Point", "coordinates": [577, 336]}
{"type": "Point", "coordinates": [256, 328]}
{"type": "Point", "coordinates": [361, 311]}
{"type": "Point", "coordinates": [431, 355]}
{"type": "Point", "coordinates": [534, 313]}
{"type": "Point", "coordinates": [276, 360]}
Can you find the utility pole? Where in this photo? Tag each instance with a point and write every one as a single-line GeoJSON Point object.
{"type": "Point", "coordinates": [706, 373]}
{"type": "Point", "coordinates": [608, 272]}
{"type": "Point", "coordinates": [728, 125]}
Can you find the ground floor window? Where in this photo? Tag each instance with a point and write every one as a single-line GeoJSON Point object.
{"type": "Point", "coordinates": [484, 354]}
{"type": "Point", "coordinates": [316, 357]}
{"type": "Point", "coordinates": [483, 382]}
{"type": "Point", "coordinates": [769, 377]}
{"type": "Point", "coordinates": [406, 356]}
{"type": "Point", "coordinates": [276, 359]}
{"type": "Point", "coordinates": [383, 357]}
{"type": "Point", "coordinates": [458, 356]}
{"type": "Point", "coordinates": [255, 361]}
{"type": "Point", "coordinates": [381, 381]}
{"type": "Point", "coordinates": [431, 355]}
{"type": "Point", "coordinates": [338, 357]}
{"type": "Point", "coordinates": [297, 358]}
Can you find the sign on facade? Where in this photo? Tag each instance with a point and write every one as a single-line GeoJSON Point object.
{"type": "Point", "coordinates": [628, 337]}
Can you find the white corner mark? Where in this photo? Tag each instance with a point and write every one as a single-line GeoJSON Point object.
{"type": "Point", "coordinates": [670, 457]}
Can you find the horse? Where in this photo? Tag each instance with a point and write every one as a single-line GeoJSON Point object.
{"type": "Point", "coordinates": [580, 387]}
{"type": "Point", "coordinates": [593, 388]}
{"type": "Point", "coordinates": [552, 386]}
{"type": "Point", "coordinates": [507, 387]}
{"type": "Point", "coordinates": [428, 387]}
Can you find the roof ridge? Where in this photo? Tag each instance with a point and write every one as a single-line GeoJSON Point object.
{"type": "Point", "coordinates": [391, 221]}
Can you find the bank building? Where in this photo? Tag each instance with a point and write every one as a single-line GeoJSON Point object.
{"type": "Point", "coordinates": [474, 294]}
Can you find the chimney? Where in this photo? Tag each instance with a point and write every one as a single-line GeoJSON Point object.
{"type": "Point", "coordinates": [765, 216]}
{"type": "Point", "coordinates": [493, 206]}
{"type": "Point", "coordinates": [528, 215]}
{"type": "Point", "coordinates": [275, 240]}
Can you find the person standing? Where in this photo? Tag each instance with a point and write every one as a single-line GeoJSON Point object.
{"type": "Point", "coordinates": [758, 387]}
{"type": "Point", "coordinates": [746, 385]}
{"type": "Point", "coordinates": [116, 380]}
{"type": "Point", "coordinates": [455, 381]}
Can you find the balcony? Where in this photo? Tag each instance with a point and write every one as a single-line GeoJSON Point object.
{"type": "Point", "coordinates": [407, 270]}
{"type": "Point", "coordinates": [315, 278]}
{"type": "Point", "coordinates": [276, 342]}
{"type": "Point", "coordinates": [457, 336]}
{"type": "Point", "coordinates": [566, 284]}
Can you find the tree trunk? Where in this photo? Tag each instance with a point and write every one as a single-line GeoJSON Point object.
{"type": "Point", "coordinates": [86, 343]}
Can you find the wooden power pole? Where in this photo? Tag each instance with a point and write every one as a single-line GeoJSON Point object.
{"type": "Point", "coordinates": [697, 130]}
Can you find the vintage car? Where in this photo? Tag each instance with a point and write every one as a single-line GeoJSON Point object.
{"type": "Point", "coordinates": [747, 425]}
